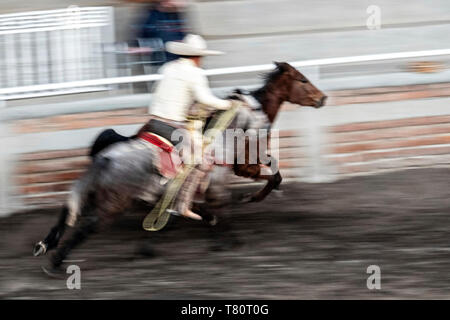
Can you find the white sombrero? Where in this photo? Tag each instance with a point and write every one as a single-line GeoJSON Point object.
{"type": "Point", "coordinates": [192, 45]}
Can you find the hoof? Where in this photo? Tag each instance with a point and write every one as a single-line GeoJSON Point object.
{"type": "Point", "coordinates": [54, 272]}
{"type": "Point", "coordinates": [213, 221]}
{"type": "Point", "coordinates": [278, 193]}
{"type": "Point", "coordinates": [246, 198]}
{"type": "Point", "coordinates": [39, 249]}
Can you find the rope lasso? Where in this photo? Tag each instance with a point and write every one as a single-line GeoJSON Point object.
{"type": "Point", "coordinates": [159, 216]}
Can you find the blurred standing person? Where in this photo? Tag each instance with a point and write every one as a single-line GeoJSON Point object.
{"type": "Point", "coordinates": [165, 20]}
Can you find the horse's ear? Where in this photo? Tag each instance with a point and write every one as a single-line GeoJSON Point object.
{"type": "Point", "coordinates": [281, 65]}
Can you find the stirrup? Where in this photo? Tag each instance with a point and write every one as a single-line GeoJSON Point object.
{"type": "Point", "coordinates": [173, 212]}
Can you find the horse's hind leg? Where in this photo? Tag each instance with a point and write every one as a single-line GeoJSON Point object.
{"type": "Point", "coordinates": [53, 237]}
{"type": "Point", "coordinates": [88, 225]}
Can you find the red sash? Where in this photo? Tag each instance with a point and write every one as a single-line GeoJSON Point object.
{"type": "Point", "coordinates": [153, 139]}
{"type": "Point", "coordinates": [170, 161]}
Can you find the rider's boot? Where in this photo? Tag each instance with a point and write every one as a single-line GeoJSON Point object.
{"type": "Point", "coordinates": [187, 213]}
{"type": "Point", "coordinates": [186, 195]}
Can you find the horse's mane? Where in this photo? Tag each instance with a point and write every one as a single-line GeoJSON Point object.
{"type": "Point", "coordinates": [268, 78]}
{"type": "Point", "coordinates": [272, 75]}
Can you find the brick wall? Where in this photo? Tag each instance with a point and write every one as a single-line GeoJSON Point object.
{"type": "Point", "coordinates": [352, 144]}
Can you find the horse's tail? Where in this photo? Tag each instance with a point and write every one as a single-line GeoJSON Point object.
{"type": "Point", "coordinates": [85, 186]}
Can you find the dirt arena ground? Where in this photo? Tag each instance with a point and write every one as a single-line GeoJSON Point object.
{"type": "Point", "coordinates": [314, 242]}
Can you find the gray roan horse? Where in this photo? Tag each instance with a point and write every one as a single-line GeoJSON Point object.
{"type": "Point", "coordinates": [124, 172]}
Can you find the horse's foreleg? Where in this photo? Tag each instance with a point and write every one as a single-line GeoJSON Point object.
{"type": "Point", "coordinates": [53, 237]}
{"type": "Point", "coordinates": [206, 214]}
{"type": "Point", "coordinates": [220, 228]}
{"type": "Point", "coordinates": [223, 233]}
{"type": "Point", "coordinates": [214, 211]}
{"type": "Point", "coordinates": [273, 183]}
{"type": "Point", "coordinates": [255, 172]}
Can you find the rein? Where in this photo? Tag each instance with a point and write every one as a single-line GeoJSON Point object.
{"type": "Point", "coordinates": [247, 97]}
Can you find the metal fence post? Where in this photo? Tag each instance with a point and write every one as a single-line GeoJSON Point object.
{"type": "Point", "coordinates": [315, 138]}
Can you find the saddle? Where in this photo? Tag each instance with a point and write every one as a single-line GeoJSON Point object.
{"type": "Point", "coordinates": [169, 161]}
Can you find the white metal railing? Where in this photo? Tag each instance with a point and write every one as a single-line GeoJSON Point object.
{"type": "Point", "coordinates": [51, 20]}
{"type": "Point", "coordinates": [53, 46]}
{"type": "Point", "coordinates": [223, 71]}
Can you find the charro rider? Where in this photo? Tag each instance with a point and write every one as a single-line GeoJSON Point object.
{"type": "Point", "coordinates": [183, 84]}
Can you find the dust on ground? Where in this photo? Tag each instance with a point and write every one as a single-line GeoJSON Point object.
{"type": "Point", "coordinates": [314, 242]}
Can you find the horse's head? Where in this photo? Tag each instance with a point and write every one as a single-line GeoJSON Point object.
{"type": "Point", "coordinates": [287, 84]}
{"type": "Point", "coordinates": [299, 90]}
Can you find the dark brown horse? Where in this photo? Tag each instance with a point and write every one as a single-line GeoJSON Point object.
{"type": "Point", "coordinates": [284, 84]}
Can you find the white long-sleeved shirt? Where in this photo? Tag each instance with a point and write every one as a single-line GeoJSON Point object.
{"type": "Point", "coordinates": [182, 85]}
